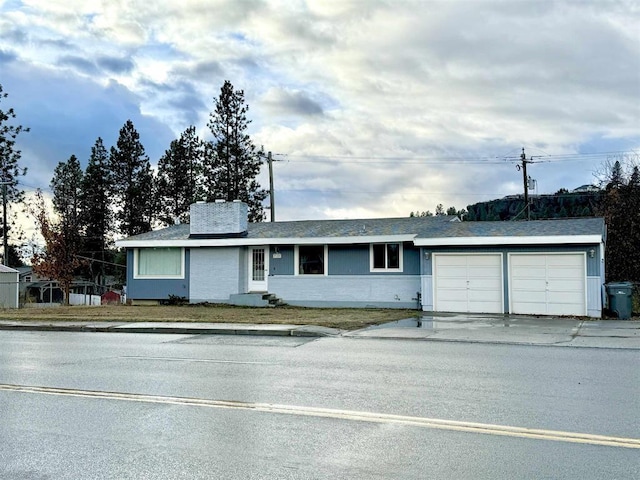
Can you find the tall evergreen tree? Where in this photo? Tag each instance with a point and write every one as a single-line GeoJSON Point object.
{"type": "Point", "coordinates": [10, 169]}
{"type": "Point", "coordinates": [621, 210]}
{"type": "Point", "coordinates": [132, 183]}
{"type": "Point", "coordinates": [232, 161]}
{"type": "Point", "coordinates": [97, 215]}
{"type": "Point", "coordinates": [179, 178]}
{"type": "Point", "coordinates": [66, 186]}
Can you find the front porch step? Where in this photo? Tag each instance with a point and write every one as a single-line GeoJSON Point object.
{"type": "Point", "coordinates": [273, 301]}
{"type": "Point", "coordinates": [255, 299]}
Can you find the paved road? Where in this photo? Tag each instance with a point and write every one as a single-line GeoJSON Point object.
{"type": "Point", "coordinates": [92, 405]}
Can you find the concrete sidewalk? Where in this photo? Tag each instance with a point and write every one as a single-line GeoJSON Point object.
{"type": "Point", "coordinates": [519, 330]}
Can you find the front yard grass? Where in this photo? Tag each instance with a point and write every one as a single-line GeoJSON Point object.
{"type": "Point", "coordinates": [342, 318]}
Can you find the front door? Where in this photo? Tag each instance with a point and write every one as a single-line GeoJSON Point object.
{"type": "Point", "coordinates": [258, 269]}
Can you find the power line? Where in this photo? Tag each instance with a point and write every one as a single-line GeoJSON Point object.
{"type": "Point", "coordinates": [406, 159]}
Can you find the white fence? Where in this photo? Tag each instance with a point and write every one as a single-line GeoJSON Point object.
{"type": "Point", "coordinates": [82, 299]}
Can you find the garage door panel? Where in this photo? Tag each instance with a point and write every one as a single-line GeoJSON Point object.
{"type": "Point", "coordinates": [561, 309]}
{"type": "Point", "coordinates": [449, 282]}
{"type": "Point", "coordinates": [547, 284]}
{"type": "Point", "coordinates": [567, 285]}
{"type": "Point", "coordinates": [451, 295]}
{"type": "Point", "coordinates": [451, 260]}
{"type": "Point", "coordinates": [567, 276]}
{"type": "Point", "coordinates": [564, 298]}
{"type": "Point", "coordinates": [449, 271]}
{"type": "Point", "coordinates": [468, 283]}
{"type": "Point", "coordinates": [522, 296]}
{"type": "Point", "coordinates": [568, 260]}
{"type": "Point", "coordinates": [536, 271]}
{"type": "Point", "coordinates": [484, 296]}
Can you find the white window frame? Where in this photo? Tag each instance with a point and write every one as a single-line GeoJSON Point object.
{"type": "Point", "coordinates": [296, 256]}
{"type": "Point", "coordinates": [387, 269]}
{"type": "Point", "coordinates": [136, 275]}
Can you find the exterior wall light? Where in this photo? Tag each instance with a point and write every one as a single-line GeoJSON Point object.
{"type": "Point", "coordinates": [592, 252]}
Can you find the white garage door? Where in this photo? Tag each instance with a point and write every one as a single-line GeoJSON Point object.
{"type": "Point", "coordinates": [468, 283]}
{"type": "Point", "coordinates": [547, 284]}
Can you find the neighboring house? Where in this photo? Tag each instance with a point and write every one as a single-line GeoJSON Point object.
{"type": "Point", "coordinates": [586, 189]}
{"type": "Point", "coordinates": [9, 287]}
{"type": "Point", "coordinates": [544, 267]}
{"type": "Point", "coordinates": [37, 289]}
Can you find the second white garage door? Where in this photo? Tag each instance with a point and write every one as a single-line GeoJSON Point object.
{"type": "Point", "coordinates": [468, 283]}
{"type": "Point", "coordinates": [547, 284]}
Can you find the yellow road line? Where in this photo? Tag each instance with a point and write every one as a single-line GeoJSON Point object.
{"type": "Point", "coordinates": [435, 423]}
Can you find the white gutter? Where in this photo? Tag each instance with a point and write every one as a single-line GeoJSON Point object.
{"type": "Point", "coordinates": [507, 240]}
{"type": "Point", "coordinates": [234, 242]}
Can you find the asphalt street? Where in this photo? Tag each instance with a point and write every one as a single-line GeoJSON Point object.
{"type": "Point", "coordinates": [110, 405]}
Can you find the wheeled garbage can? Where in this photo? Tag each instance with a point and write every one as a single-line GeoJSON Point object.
{"type": "Point", "coordinates": [619, 294]}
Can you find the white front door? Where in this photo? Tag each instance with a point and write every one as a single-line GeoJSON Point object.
{"type": "Point", "coordinates": [258, 268]}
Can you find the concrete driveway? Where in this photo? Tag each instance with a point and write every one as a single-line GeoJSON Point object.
{"type": "Point", "coordinates": [514, 329]}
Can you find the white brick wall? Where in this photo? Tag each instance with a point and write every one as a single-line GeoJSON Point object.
{"type": "Point", "coordinates": [389, 290]}
{"type": "Point", "coordinates": [215, 274]}
{"type": "Point", "coordinates": [218, 218]}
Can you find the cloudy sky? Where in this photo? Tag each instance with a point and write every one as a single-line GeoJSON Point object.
{"type": "Point", "coordinates": [372, 108]}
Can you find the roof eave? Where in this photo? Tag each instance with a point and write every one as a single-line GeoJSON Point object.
{"type": "Point", "coordinates": [508, 240]}
{"type": "Point", "coordinates": [235, 242]}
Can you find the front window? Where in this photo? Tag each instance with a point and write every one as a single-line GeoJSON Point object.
{"type": "Point", "coordinates": [311, 259]}
{"type": "Point", "coordinates": [159, 263]}
{"type": "Point", "coordinates": [386, 256]}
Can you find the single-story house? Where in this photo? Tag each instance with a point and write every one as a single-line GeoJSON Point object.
{"type": "Point", "coordinates": [545, 267]}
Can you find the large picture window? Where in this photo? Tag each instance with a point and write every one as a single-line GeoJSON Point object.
{"type": "Point", "coordinates": [311, 259]}
{"type": "Point", "coordinates": [159, 263]}
{"type": "Point", "coordinates": [386, 257]}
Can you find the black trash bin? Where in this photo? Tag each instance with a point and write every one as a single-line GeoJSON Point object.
{"type": "Point", "coordinates": [620, 294]}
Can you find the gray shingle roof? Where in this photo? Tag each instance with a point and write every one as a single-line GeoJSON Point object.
{"type": "Point", "coordinates": [422, 227]}
{"type": "Point", "coordinates": [534, 228]}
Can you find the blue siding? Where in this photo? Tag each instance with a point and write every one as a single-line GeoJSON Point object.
{"type": "Point", "coordinates": [345, 260]}
{"type": "Point", "coordinates": [349, 260]}
{"type": "Point", "coordinates": [284, 264]}
{"type": "Point", "coordinates": [156, 289]}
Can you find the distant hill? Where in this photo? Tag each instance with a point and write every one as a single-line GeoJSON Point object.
{"type": "Point", "coordinates": [582, 202]}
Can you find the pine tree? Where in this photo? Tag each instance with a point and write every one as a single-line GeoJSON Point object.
{"type": "Point", "coordinates": [231, 160]}
{"type": "Point", "coordinates": [621, 209]}
{"type": "Point", "coordinates": [97, 215]}
{"type": "Point", "coordinates": [66, 186]}
{"type": "Point", "coordinates": [10, 169]}
{"type": "Point", "coordinates": [132, 184]}
{"type": "Point", "coordinates": [179, 178]}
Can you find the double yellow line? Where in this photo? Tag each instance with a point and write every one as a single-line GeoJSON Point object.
{"type": "Point", "coordinates": [352, 415]}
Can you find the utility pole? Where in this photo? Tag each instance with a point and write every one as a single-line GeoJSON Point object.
{"type": "Point", "coordinates": [272, 197]}
{"type": "Point", "coordinates": [525, 181]}
{"type": "Point", "coordinates": [5, 250]}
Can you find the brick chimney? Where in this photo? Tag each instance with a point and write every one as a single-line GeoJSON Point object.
{"type": "Point", "coordinates": [219, 219]}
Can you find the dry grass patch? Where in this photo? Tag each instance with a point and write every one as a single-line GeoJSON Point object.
{"type": "Point", "coordinates": [343, 318]}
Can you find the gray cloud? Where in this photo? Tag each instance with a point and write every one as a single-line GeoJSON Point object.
{"type": "Point", "coordinates": [117, 65]}
{"type": "Point", "coordinates": [285, 102]}
{"type": "Point", "coordinates": [81, 64]}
